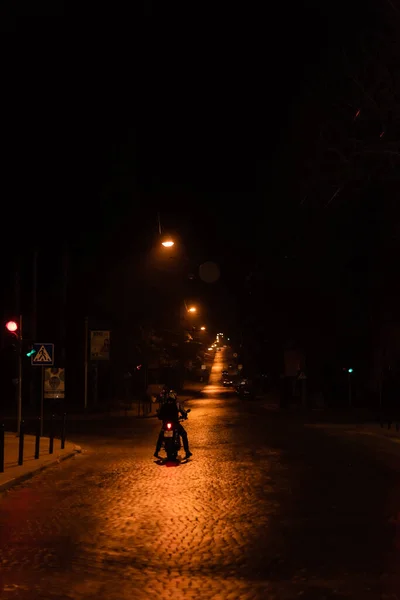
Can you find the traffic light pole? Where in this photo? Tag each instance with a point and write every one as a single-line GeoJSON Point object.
{"type": "Point", "coordinates": [19, 384]}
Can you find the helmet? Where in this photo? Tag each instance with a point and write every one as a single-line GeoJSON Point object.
{"type": "Point", "coordinates": [172, 396]}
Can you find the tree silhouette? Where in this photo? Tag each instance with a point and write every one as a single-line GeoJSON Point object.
{"type": "Point", "coordinates": [358, 136]}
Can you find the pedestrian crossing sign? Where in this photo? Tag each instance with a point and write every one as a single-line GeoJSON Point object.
{"type": "Point", "coordinates": [43, 355]}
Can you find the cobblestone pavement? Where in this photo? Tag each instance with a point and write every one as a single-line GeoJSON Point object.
{"type": "Point", "coordinates": [265, 509]}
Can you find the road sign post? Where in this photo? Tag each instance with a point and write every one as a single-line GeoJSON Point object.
{"type": "Point", "coordinates": [42, 355]}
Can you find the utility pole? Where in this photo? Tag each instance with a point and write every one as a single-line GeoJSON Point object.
{"type": "Point", "coordinates": [86, 361]}
{"type": "Point", "coordinates": [34, 296]}
{"type": "Point", "coordinates": [63, 321]}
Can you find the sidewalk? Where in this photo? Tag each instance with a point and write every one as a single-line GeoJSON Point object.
{"type": "Point", "coordinates": [355, 422]}
{"type": "Point", "coordinates": [14, 474]}
{"type": "Point", "coordinates": [364, 429]}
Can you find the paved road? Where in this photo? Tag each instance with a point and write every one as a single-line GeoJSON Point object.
{"type": "Point", "coordinates": [265, 509]}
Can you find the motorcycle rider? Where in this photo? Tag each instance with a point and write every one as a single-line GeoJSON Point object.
{"type": "Point", "coordinates": [170, 411]}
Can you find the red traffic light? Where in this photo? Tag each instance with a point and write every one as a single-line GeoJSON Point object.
{"type": "Point", "coordinates": [12, 326]}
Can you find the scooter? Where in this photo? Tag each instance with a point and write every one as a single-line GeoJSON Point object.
{"type": "Point", "coordinates": [171, 438]}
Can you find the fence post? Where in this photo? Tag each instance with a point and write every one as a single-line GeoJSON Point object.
{"type": "Point", "coordinates": [51, 441]}
{"type": "Point", "coordinates": [2, 448]}
{"type": "Point", "coordinates": [21, 444]}
{"type": "Point", "coordinates": [37, 440]}
{"type": "Point", "coordinates": [64, 422]}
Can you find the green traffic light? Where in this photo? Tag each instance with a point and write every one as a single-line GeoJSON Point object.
{"type": "Point", "coordinates": [350, 370]}
{"type": "Point", "coordinates": [31, 352]}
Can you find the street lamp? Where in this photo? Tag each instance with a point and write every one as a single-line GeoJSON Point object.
{"type": "Point", "coordinates": [192, 309]}
{"type": "Point", "coordinates": [168, 243]}
{"type": "Point", "coordinates": [203, 328]}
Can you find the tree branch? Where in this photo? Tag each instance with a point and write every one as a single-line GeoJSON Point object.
{"type": "Point", "coordinates": [334, 196]}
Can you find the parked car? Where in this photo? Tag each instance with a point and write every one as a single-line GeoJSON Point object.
{"type": "Point", "coordinates": [245, 389]}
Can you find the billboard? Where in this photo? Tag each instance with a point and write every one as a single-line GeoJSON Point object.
{"type": "Point", "coordinates": [99, 345]}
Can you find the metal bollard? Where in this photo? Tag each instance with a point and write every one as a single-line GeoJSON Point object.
{"type": "Point", "coordinates": [51, 442]}
{"type": "Point", "coordinates": [21, 444]}
{"type": "Point", "coordinates": [2, 448]}
{"type": "Point", "coordinates": [37, 440]}
{"type": "Point", "coordinates": [64, 423]}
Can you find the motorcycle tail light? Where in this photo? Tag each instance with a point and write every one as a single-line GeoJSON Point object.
{"type": "Point", "coordinates": [169, 425]}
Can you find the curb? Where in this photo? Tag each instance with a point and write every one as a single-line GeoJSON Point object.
{"type": "Point", "coordinates": [21, 478]}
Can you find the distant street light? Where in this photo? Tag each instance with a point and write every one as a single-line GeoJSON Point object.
{"type": "Point", "coordinates": [192, 309]}
{"type": "Point", "coordinates": [203, 328]}
{"type": "Point", "coordinates": [168, 243]}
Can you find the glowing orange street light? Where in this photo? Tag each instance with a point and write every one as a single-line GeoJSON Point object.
{"type": "Point", "coordinates": [203, 328]}
{"type": "Point", "coordinates": [168, 243]}
{"type": "Point", "coordinates": [192, 309]}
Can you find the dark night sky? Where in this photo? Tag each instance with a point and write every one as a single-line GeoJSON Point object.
{"type": "Point", "coordinates": [208, 125]}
